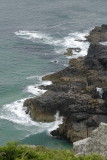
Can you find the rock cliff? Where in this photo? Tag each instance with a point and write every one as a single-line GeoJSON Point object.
{"type": "Point", "coordinates": [75, 94]}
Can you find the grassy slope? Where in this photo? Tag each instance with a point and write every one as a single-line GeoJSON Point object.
{"type": "Point", "coordinates": [12, 151]}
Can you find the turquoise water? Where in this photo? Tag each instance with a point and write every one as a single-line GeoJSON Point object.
{"type": "Point", "coordinates": [32, 35]}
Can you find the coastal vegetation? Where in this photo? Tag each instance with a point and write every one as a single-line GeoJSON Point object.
{"type": "Point", "coordinates": [13, 151]}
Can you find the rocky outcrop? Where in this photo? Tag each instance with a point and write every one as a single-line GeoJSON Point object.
{"type": "Point", "coordinates": [97, 57]}
{"type": "Point", "coordinates": [69, 51]}
{"type": "Point", "coordinates": [98, 34]}
{"type": "Point", "coordinates": [75, 95]}
{"type": "Point", "coordinates": [96, 143]}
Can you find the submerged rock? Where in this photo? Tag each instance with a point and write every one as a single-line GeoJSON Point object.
{"type": "Point", "coordinates": [69, 51]}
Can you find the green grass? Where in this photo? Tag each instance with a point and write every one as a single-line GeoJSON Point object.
{"type": "Point", "coordinates": [13, 151]}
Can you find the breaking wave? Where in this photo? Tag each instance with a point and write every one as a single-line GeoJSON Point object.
{"type": "Point", "coordinates": [38, 37]}
{"type": "Point", "coordinates": [72, 40]}
{"type": "Point", "coordinates": [15, 112]}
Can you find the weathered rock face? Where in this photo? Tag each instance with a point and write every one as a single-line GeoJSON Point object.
{"type": "Point", "coordinates": [74, 94]}
{"type": "Point", "coordinates": [96, 143]}
{"type": "Point", "coordinates": [97, 57]}
{"type": "Point", "coordinates": [38, 111]}
{"type": "Point", "coordinates": [98, 34]}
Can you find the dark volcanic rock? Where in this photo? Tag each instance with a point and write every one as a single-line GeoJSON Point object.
{"type": "Point", "coordinates": [104, 95]}
{"type": "Point", "coordinates": [74, 94]}
{"type": "Point", "coordinates": [98, 34]}
{"type": "Point", "coordinates": [97, 56]}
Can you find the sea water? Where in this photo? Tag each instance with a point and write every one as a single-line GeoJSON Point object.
{"type": "Point", "coordinates": [33, 37]}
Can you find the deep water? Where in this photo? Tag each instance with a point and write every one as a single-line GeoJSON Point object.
{"type": "Point", "coordinates": [33, 34]}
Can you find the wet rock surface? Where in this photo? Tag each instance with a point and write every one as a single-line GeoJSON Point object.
{"type": "Point", "coordinates": [74, 94]}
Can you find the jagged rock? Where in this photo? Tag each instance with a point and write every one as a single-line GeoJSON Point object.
{"type": "Point", "coordinates": [96, 143]}
{"type": "Point", "coordinates": [98, 34]}
{"type": "Point", "coordinates": [68, 52]}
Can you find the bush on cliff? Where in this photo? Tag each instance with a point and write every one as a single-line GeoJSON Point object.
{"type": "Point", "coordinates": [13, 151]}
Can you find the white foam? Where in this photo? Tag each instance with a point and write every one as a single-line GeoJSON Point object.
{"type": "Point", "coordinates": [76, 40]}
{"type": "Point", "coordinates": [39, 37]}
{"type": "Point", "coordinates": [100, 91]}
{"type": "Point", "coordinates": [46, 83]}
{"type": "Point", "coordinates": [103, 43]}
{"type": "Point", "coordinates": [72, 40]}
{"type": "Point", "coordinates": [30, 34]}
{"type": "Point", "coordinates": [35, 90]}
{"type": "Point", "coordinates": [15, 112]}
{"type": "Point", "coordinates": [66, 65]}
{"type": "Point", "coordinates": [35, 77]}
{"type": "Point", "coordinates": [58, 121]}
{"type": "Point", "coordinates": [39, 78]}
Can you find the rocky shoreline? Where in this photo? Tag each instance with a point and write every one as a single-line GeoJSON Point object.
{"type": "Point", "coordinates": [78, 92]}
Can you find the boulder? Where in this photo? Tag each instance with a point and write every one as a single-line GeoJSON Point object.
{"type": "Point", "coordinates": [96, 143]}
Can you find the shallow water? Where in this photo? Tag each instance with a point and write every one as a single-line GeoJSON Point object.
{"type": "Point", "coordinates": [33, 34]}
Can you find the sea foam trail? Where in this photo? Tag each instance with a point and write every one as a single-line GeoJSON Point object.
{"type": "Point", "coordinates": [72, 40]}
{"type": "Point", "coordinates": [100, 91]}
{"type": "Point", "coordinates": [38, 37]}
{"type": "Point", "coordinates": [34, 89]}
